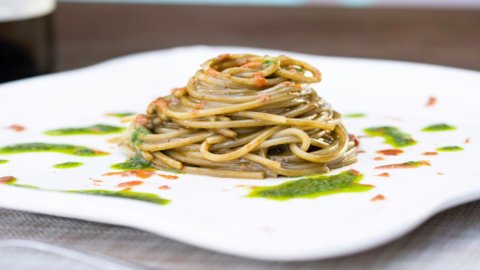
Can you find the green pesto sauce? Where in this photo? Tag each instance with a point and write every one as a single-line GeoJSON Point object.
{"type": "Point", "coordinates": [135, 163]}
{"type": "Point", "coordinates": [312, 187]}
{"type": "Point", "coordinates": [68, 165]}
{"type": "Point", "coordinates": [119, 114]}
{"type": "Point", "coordinates": [90, 130]}
{"type": "Point", "coordinates": [415, 163]}
{"type": "Point", "coordinates": [438, 127]}
{"type": "Point", "coordinates": [3, 161]}
{"type": "Point", "coordinates": [137, 135]}
{"type": "Point", "coordinates": [354, 115]}
{"type": "Point", "coordinates": [49, 147]}
{"type": "Point", "coordinates": [392, 135]}
{"type": "Point", "coordinates": [126, 194]}
{"type": "Point", "coordinates": [450, 148]}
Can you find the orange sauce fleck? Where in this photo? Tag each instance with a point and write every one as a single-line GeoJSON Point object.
{"type": "Point", "coordinates": [141, 119]}
{"type": "Point", "coordinates": [431, 101]}
{"type": "Point", "coordinates": [361, 152]}
{"type": "Point", "coordinates": [354, 172]}
{"type": "Point", "coordinates": [97, 181]}
{"type": "Point", "coordinates": [200, 105]}
{"type": "Point", "coordinates": [164, 187]}
{"type": "Point", "coordinates": [467, 140]}
{"type": "Point", "coordinates": [251, 65]}
{"type": "Point", "coordinates": [260, 81]}
{"type": "Point", "coordinates": [17, 128]}
{"type": "Point", "coordinates": [353, 139]}
{"type": "Point", "coordinates": [138, 173]}
{"type": "Point", "coordinates": [429, 153]}
{"type": "Point", "coordinates": [6, 179]}
{"type": "Point", "coordinates": [378, 158]}
{"type": "Point", "coordinates": [390, 152]}
{"type": "Point", "coordinates": [169, 177]}
{"type": "Point", "coordinates": [223, 57]}
{"type": "Point", "coordinates": [263, 97]}
{"type": "Point", "coordinates": [379, 197]}
{"type": "Point", "coordinates": [385, 174]}
{"type": "Point", "coordinates": [130, 184]}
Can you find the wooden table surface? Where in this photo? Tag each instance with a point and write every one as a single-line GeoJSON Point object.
{"type": "Point", "coordinates": [89, 33]}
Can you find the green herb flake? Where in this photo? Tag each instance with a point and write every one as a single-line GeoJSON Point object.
{"type": "Point", "coordinates": [99, 129]}
{"type": "Point", "coordinates": [126, 194]}
{"type": "Point", "coordinates": [120, 114]}
{"type": "Point", "coordinates": [392, 135]}
{"type": "Point", "coordinates": [50, 147]}
{"type": "Point", "coordinates": [438, 127]}
{"type": "Point", "coordinates": [68, 165]}
{"type": "Point", "coordinates": [313, 186]}
{"type": "Point", "coordinates": [135, 163]}
{"type": "Point", "coordinates": [450, 148]}
{"type": "Point", "coordinates": [354, 115]}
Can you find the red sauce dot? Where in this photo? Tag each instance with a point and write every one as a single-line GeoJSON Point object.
{"type": "Point", "coordinates": [379, 197]}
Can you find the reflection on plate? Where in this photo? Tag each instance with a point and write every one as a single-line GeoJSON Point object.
{"type": "Point", "coordinates": [418, 128]}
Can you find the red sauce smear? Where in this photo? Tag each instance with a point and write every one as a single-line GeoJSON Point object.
{"type": "Point", "coordinates": [385, 174]}
{"type": "Point", "coordinates": [390, 152]}
{"type": "Point", "coordinates": [429, 153]}
{"type": "Point", "coordinates": [406, 165]}
{"type": "Point", "coordinates": [378, 158]}
{"type": "Point", "coordinates": [6, 179]}
{"type": "Point", "coordinates": [138, 173]}
{"type": "Point", "coordinates": [379, 197]}
{"type": "Point", "coordinates": [17, 128]}
{"type": "Point", "coordinates": [164, 187]}
{"type": "Point", "coordinates": [431, 101]}
{"type": "Point", "coordinates": [130, 184]}
{"type": "Point", "coordinates": [353, 139]}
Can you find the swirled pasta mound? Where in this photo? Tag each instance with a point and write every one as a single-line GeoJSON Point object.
{"type": "Point", "coordinates": [244, 116]}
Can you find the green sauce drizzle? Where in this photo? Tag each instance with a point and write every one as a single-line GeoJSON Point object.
{"type": "Point", "coordinates": [313, 186]}
{"type": "Point", "coordinates": [135, 163]}
{"type": "Point", "coordinates": [90, 130]}
{"type": "Point", "coordinates": [120, 114]}
{"type": "Point", "coordinates": [126, 194]}
{"type": "Point", "coordinates": [137, 135]}
{"type": "Point", "coordinates": [354, 115]}
{"type": "Point", "coordinates": [3, 161]}
{"type": "Point", "coordinates": [49, 147]}
{"type": "Point", "coordinates": [14, 181]}
{"type": "Point", "coordinates": [438, 127]}
{"type": "Point", "coordinates": [450, 148]}
{"type": "Point", "coordinates": [68, 165]}
{"type": "Point", "coordinates": [393, 136]}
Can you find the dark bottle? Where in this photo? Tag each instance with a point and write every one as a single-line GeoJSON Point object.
{"type": "Point", "coordinates": [26, 38]}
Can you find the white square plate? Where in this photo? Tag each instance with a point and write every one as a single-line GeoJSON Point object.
{"type": "Point", "coordinates": [214, 213]}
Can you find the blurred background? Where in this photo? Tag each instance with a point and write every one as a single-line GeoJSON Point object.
{"type": "Point", "coordinates": [77, 33]}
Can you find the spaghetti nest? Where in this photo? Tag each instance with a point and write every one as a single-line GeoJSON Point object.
{"type": "Point", "coordinates": [244, 116]}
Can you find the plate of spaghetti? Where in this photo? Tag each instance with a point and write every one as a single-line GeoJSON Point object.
{"type": "Point", "coordinates": [252, 152]}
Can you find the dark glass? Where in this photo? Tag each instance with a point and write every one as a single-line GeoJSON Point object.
{"type": "Point", "coordinates": [26, 48]}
